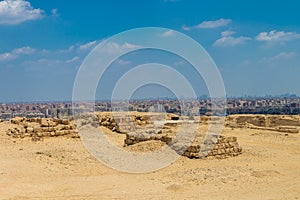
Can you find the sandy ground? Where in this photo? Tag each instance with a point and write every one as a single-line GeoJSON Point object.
{"type": "Point", "coordinates": [61, 168]}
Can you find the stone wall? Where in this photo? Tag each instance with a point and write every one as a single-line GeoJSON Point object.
{"type": "Point", "coordinates": [42, 127]}
{"type": "Point", "coordinates": [203, 146]}
{"type": "Point", "coordinates": [109, 121]}
{"type": "Point", "coordinates": [146, 135]}
{"type": "Point", "coordinates": [279, 123]}
{"type": "Point", "coordinates": [264, 120]}
{"type": "Point", "coordinates": [224, 147]}
{"type": "Point", "coordinates": [122, 122]}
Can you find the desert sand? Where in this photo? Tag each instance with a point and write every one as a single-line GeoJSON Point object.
{"type": "Point", "coordinates": [61, 168]}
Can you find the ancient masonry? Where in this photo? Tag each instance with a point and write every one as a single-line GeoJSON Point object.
{"type": "Point", "coordinates": [37, 128]}
{"type": "Point", "coordinates": [219, 147]}
{"type": "Point", "coordinates": [140, 129]}
{"type": "Point", "coordinates": [210, 147]}
{"type": "Point", "coordinates": [122, 123]}
{"type": "Point", "coordinates": [279, 123]}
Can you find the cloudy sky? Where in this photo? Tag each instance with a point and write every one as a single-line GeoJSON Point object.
{"type": "Point", "coordinates": [255, 44]}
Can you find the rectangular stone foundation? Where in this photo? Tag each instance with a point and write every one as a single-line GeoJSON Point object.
{"type": "Point", "coordinates": [212, 147]}
{"type": "Point", "coordinates": [42, 127]}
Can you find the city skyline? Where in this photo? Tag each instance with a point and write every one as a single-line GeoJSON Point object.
{"type": "Point", "coordinates": [196, 107]}
{"type": "Point", "coordinates": [255, 45]}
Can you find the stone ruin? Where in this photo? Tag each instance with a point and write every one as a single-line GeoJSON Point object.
{"type": "Point", "coordinates": [146, 135]}
{"type": "Point", "coordinates": [139, 128]}
{"type": "Point", "coordinates": [37, 128]}
{"type": "Point", "coordinates": [121, 122]}
{"type": "Point", "coordinates": [279, 123]}
{"type": "Point", "coordinates": [211, 146]}
{"type": "Point", "coordinates": [125, 122]}
{"type": "Point", "coordinates": [116, 122]}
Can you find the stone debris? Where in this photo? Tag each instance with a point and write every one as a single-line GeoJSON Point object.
{"type": "Point", "coordinates": [83, 119]}
{"type": "Point", "coordinates": [141, 136]}
{"type": "Point", "coordinates": [279, 123]}
{"type": "Point", "coordinates": [220, 148]}
{"type": "Point", "coordinates": [191, 145]}
{"type": "Point", "coordinates": [223, 147]}
{"type": "Point", "coordinates": [42, 127]}
{"type": "Point", "coordinates": [139, 129]}
{"type": "Point", "coordinates": [124, 123]}
{"type": "Point", "coordinates": [182, 136]}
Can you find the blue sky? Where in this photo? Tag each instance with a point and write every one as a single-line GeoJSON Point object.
{"type": "Point", "coordinates": [255, 44]}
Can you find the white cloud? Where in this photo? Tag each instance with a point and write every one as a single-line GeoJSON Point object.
{"type": "Point", "coordinates": [280, 56]}
{"type": "Point", "coordinates": [214, 24]}
{"type": "Point", "coordinates": [18, 11]}
{"type": "Point", "coordinates": [168, 33]}
{"type": "Point", "coordinates": [54, 12]}
{"type": "Point", "coordinates": [43, 63]}
{"type": "Point", "coordinates": [227, 33]}
{"type": "Point", "coordinates": [277, 36]}
{"type": "Point", "coordinates": [110, 47]}
{"type": "Point", "coordinates": [231, 41]}
{"type": "Point", "coordinates": [79, 47]}
{"type": "Point", "coordinates": [48, 62]}
{"type": "Point", "coordinates": [7, 56]}
{"type": "Point", "coordinates": [68, 50]}
{"type": "Point", "coordinates": [228, 40]}
{"type": "Point", "coordinates": [87, 45]}
{"type": "Point", "coordinates": [113, 47]}
{"type": "Point", "coordinates": [209, 24]}
{"type": "Point", "coordinates": [74, 59]}
{"type": "Point", "coordinates": [24, 50]}
{"type": "Point", "coordinates": [186, 28]}
{"type": "Point", "coordinates": [284, 55]}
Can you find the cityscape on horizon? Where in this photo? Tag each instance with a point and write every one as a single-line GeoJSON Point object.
{"type": "Point", "coordinates": [279, 106]}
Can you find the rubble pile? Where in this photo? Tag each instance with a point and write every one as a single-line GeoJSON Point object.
{"type": "Point", "coordinates": [123, 123]}
{"type": "Point", "coordinates": [146, 135]}
{"type": "Point", "coordinates": [196, 145]}
{"type": "Point", "coordinates": [279, 123]}
{"type": "Point", "coordinates": [220, 147]}
{"type": "Point", "coordinates": [42, 127]}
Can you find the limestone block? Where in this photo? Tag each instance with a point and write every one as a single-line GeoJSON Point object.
{"type": "Point", "coordinates": [44, 122]}
{"type": "Point", "coordinates": [65, 122]}
{"type": "Point", "coordinates": [52, 134]}
{"type": "Point", "coordinates": [215, 152]}
{"type": "Point", "coordinates": [29, 130]}
{"type": "Point", "coordinates": [219, 151]}
{"type": "Point", "coordinates": [39, 134]}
